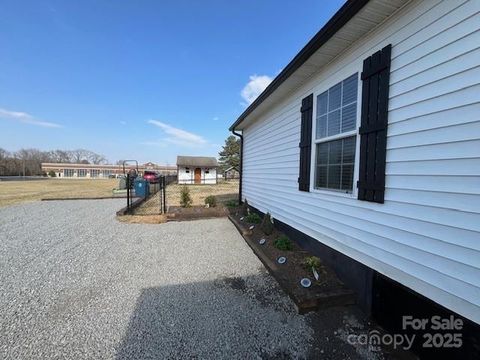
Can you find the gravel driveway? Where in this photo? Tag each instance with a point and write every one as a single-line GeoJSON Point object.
{"type": "Point", "coordinates": [75, 283]}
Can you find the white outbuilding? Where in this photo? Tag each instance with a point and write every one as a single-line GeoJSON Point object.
{"type": "Point", "coordinates": [196, 170]}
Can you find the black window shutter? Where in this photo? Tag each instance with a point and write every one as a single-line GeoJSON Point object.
{"type": "Point", "coordinates": [373, 129]}
{"type": "Point", "coordinates": [305, 143]}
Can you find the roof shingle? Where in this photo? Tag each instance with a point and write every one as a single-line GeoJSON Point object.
{"type": "Point", "coordinates": [197, 161]}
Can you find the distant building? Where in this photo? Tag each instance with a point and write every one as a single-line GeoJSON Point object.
{"type": "Point", "coordinates": [67, 170]}
{"type": "Point", "coordinates": [231, 173]}
{"type": "Point", "coordinates": [196, 170]}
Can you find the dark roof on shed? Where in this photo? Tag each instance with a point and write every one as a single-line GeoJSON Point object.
{"type": "Point", "coordinates": [197, 161]}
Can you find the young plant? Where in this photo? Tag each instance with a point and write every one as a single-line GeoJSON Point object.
{"type": "Point", "coordinates": [211, 201]}
{"type": "Point", "coordinates": [185, 198]}
{"type": "Point", "coordinates": [253, 218]}
{"type": "Point", "coordinates": [267, 224]}
{"type": "Point", "coordinates": [312, 262]}
{"type": "Point", "coordinates": [231, 203]}
{"type": "Point", "coordinates": [283, 243]}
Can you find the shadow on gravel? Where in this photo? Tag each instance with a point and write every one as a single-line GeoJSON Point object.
{"type": "Point", "coordinates": [235, 318]}
{"type": "Point", "coordinates": [227, 318]}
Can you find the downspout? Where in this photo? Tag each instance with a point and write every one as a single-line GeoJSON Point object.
{"type": "Point", "coordinates": [240, 166]}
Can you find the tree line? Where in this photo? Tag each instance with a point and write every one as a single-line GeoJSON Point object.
{"type": "Point", "coordinates": [28, 161]}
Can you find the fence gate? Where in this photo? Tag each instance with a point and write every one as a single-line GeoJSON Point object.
{"type": "Point", "coordinates": [154, 203]}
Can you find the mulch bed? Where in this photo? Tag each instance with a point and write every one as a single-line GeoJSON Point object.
{"type": "Point", "coordinates": [178, 213]}
{"type": "Point", "coordinates": [327, 291]}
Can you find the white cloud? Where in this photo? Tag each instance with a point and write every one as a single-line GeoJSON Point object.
{"type": "Point", "coordinates": [215, 118]}
{"type": "Point", "coordinates": [178, 136]}
{"type": "Point", "coordinates": [26, 118]}
{"type": "Point", "coordinates": [254, 87]}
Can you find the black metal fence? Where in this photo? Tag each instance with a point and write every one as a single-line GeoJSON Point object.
{"type": "Point", "coordinates": [151, 202]}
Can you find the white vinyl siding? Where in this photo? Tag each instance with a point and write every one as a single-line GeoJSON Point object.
{"type": "Point", "coordinates": [427, 233]}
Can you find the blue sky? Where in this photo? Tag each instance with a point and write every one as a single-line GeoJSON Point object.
{"type": "Point", "coordinates": [141, 79]}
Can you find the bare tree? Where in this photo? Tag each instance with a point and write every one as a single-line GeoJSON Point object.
{"type": "Point", "coordinates": [4, 154]}
{"type": "Point", "coordinates": [96, 158]}
{"type": "Point", "coordinates": [60, 156]}
{"type": "Point", "coordinates": [76, 156]}
{"type": "Point", "coordinates": [29, 161]}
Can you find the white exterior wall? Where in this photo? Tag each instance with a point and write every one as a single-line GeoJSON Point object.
{"type": "Point", "coordinates": [188, 178]}
{"type": "Point", "coordinates": [211, 177]}
{"type": "Point", "coordinates": [184, 177]}
{"type": "Point", "coordinates": [427, 233]}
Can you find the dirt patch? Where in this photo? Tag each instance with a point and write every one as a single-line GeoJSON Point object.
{"type": "Point", "coordinates": [325, 292]}
{"type": "Point", "coordinates": [236, 283]}
{"type": "Point", "coordinates": [223, 191]}
{"type": "Point", "coordinates": [143, 219]}
{"type": "Point", "coordinates": [178, 213]}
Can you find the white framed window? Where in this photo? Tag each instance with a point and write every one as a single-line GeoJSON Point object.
{"type": "Point", "coordinates": [94, 173]}
{"type": "Point", "coordinates": [335, 136]}
{"type": "Point", "coordinates": [68, 172]}
{"type": "Point", "coordinates": [82, 172]}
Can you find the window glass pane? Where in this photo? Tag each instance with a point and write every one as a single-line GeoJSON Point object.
{"type": "Point", "coordinates": [349, 117]}
{"type": "Point", "coordinates": [335, 152]}
{"type": "Point", "coordinates": [334, 97]}
{"type": "Point", "coordinates": [350, 89]}
{"type": "Point", "coordinates": [321, 126]}
{"type": "Point", "coordinates": [347, 177]}
{"type": "Point", "coordinates": [321, 177]}
{"type": "Point", "coordinates": [322, 153]}
{"type": "Point", "coordinates": [333, 123]}
{"type": "Point", "coordinates": [334, 177]}
{"type": "Point", "coordinates": [322, 101]}
{"type": "Point", "coordinates": [335, 164]}
{"type": "Point", "coordinates": [348, 155]}
{"type": "Point", "coordinates": [339, 104]}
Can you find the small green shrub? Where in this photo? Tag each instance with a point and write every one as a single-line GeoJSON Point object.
{"type": "Point", "coordinates": [253, 218]}
{"type": "Point", "coordinates": [283, 243]}
{"type": "Point", "coordinates": [231, 203]}
{"type": "Point", "coordinates": [211, 201]}
{"type": "Point", "coordinates": [52, 173]}
{"type": "Point", "coordinates": [185, 198]}
{"type": "Point", "coordinates": [267, 225]}
{"type": "Point", "coordinates": [312, 262]}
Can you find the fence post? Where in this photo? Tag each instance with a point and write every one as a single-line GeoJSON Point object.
{"type": "Point", "coordinates": [160, 194]}
{"type": "Point", "coordinates": [164, 194]}
{"type": "Point", "coordinates": [127, 182]}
